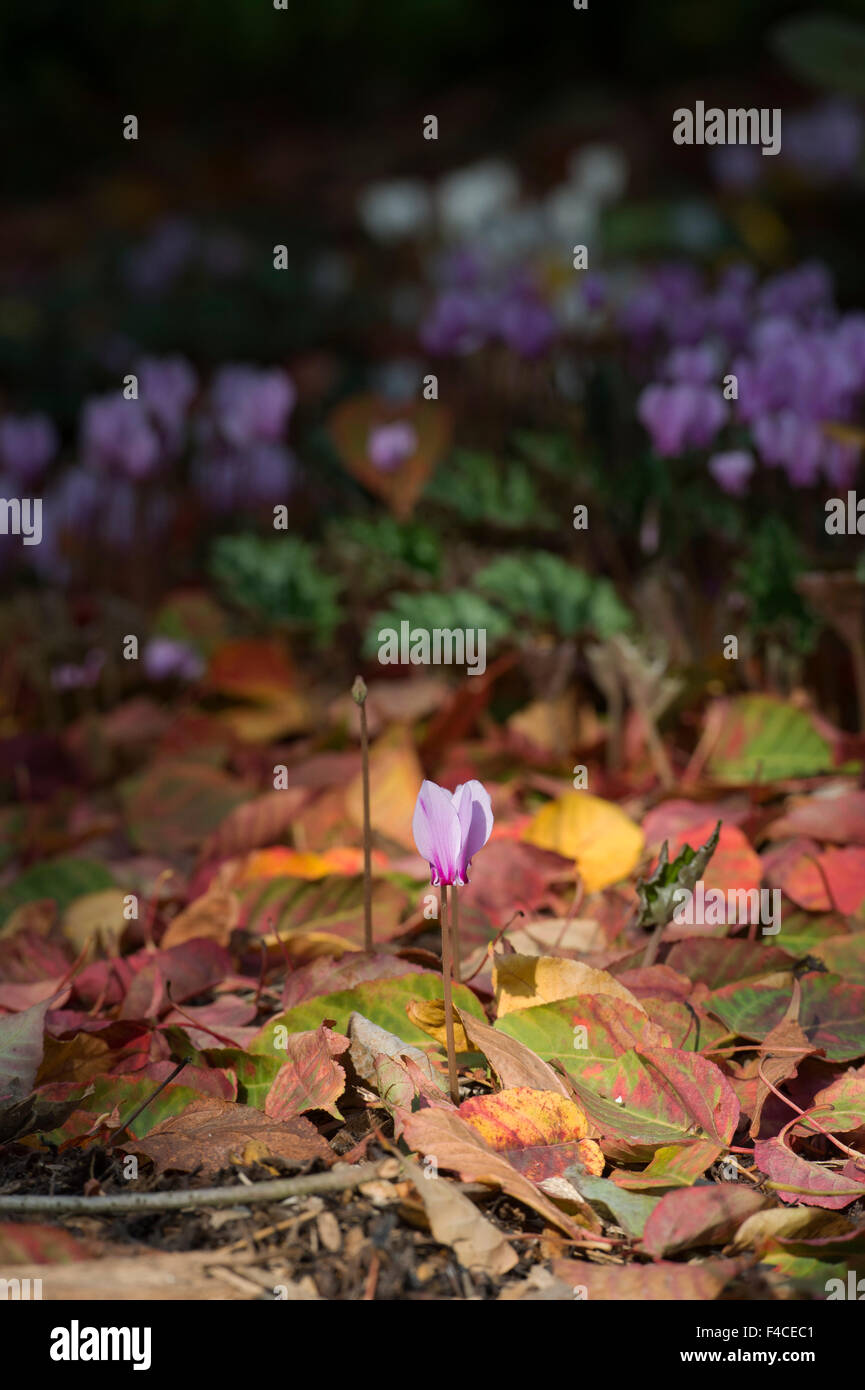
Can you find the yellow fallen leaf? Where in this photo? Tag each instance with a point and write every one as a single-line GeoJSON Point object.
{"type": "Point", "coordinates": [429, 1016]}
{"type": "Point", "coordinates": [95, 914]}
{"type": "Point", "coordinates": [395, 776]}
{"type": "Point", "coordinates": [605, 844]}
{"type": "Point", "coordinates": [520, 982]}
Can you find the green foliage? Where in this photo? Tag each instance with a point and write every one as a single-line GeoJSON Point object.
{"type": "Point", "coordinates": [64, 880]}
{"type": "Point", "coordinates": [824, 49]}
{"type": "Point", "coordinates": [767, 575]}
{"type": "Point", "coordinates": [549, 592]}
{"type": "Point", "coordinates": [458, 609]}
{"type": "Point", "coordinates": [660, 895]}
{"type": "Point", "coordinates": [481, 488]}
{"type": "Point", "coordinates": [383, 547]}
{"type": "Point", "coordinates": [279, 580]}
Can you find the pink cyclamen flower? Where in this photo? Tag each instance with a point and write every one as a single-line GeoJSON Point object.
{"type": "Point", "coordinates": [450, 827]}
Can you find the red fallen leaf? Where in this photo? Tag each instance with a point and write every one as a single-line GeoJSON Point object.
{"type": "Point", "coordinates": [844, 870]}
{"type": "Point", "coordinates": [262, 821]}
{"type": "Point", "coordinates": [655, 982]}
{"type": "Point", "coordinates": [726, 960]}
{"type": "Point", "coordinates": [677, 817]}
{"type": "Point", "coordinates": [794, 868]}
{"type": "Point", "coordinates": [809, 1184]}
{"type": "Point", "coordinates": [229, 1016]}
{"type": "Point", "coordinates": [692, 1216]}
{"type": "Point", "coordinates": [782, 1051]}
{"type": "Point", "coordinates": [14, 999]}
{"type": "Point", "coordinates": [659, 1095]}
{"type": "Point", "coordinates": [213, 1134]}
{"type": "Point", "coordinates": [832, 1013]}
{"type": "Point", "coordinates": [252, 668]}
{"type": "Point", "coordinates": [310, 1079]}
{"type": "Point", "coordinates": [29, 954]}
{"type": "Point", "coordinates": [174, 805]}
{"type": "Point", "coordinates": [208, 1081]}
{"type": "Point", "coordinates": [539, 1132]}
{"type": "Point", "coordinates": [735, 863]}
{"type": "Point", "coordinates": [665, 1281]}
{"type": "Point", "coordinates": [186, 970]}
{"type": "Point", "coordinates": [838, 819]}
{"type": "Point", "coordinates": [329, 976]}
{"type": "Point", "coordinates": [508, 877]}
{"type": "Point", "coordinates": [457, 1146]}
{"type": "Point", "coordinates": [27, 1243]}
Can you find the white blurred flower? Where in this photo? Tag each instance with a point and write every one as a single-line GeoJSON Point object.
{"type": "Point", "coordinates": [395, 210]}
{"type": "Point", "coordinates": [600, 172]}
{"type": "Point", "coordinates": [571, 216]}
{"type": "Point", "coordinates": [469, 197]}
{"type": "Point", "coordinates": [514, 236]}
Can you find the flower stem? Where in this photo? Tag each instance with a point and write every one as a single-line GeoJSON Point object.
{"type": "Point", "coordinates": [358, 691]}
{"type": "Point", "coordinates": [455, 930]}
{"type": "Point", "coordinates": [447, 967]}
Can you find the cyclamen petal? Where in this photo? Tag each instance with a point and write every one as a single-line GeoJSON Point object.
{"type": "Point", "coordinates": [450, 828]}
{"type": "Point", "coordinates": [436, 830]}
{"type": "Point", "coordinates": [472, 801]}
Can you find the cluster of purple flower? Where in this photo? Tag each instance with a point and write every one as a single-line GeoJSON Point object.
{"type": "Point", "coordinates": [131, 449]}
{"type": "Point", "coordinates": [798, 364]}
{"type": "Point", "coordinates": [473, 308]}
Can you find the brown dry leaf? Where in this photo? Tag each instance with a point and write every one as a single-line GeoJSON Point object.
{"type": "Point", "coordinates": [455, 1221]}
{"type": "Point", "coordinates": [664, 1280]}
{"type": "Point", "coordinates": [395, 776]}
{"type": "Point", "coordinates": [350, 425]}
{"type": "Point", "coordinates": [454, 1144]}
{"type": "Point", "coordinates": [214, 1134]}
{"type": "Point", "coordinates": [553, 936]}
{"type": "Point", "coordinates": [214, 915]}
{"type": "Point", "coordinates": [513, 1063]}
{"type": "Point", "coordinates": [37, 916]}
{"type": "Point", "coordinates": [605, 843]}
{"type": "Point", "coordinates": [803, 1222]}
{"type": "Point", "coordinates": [95, 915]}
{"type": "Point", "coordinates": [523, 981]}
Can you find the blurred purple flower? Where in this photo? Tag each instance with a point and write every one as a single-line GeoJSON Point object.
{"type": "Point", "coordinates": [825, 142]}
{"type": "Point", "coordinates": [152, 265]}
{"type": "Point", "coordinates": [390, 445]}
{"type": "Point", "coordinates": [167, 658]}
{"type": "Point", "coordinates": [84, 675]}
{"type": "Point", "coordinates": [737, 167]}
{"type": "Point", "coordinates": [732, 470]}
{"type": "Point", "coordinates": [117, 436]}
{"type": "Point", "coordinates": [251, 406]}
{"type": "Point", "coordinates": [524, 322]}
{"type": "Point", "coordinates": [458, 323]}
{"type": "Point", "coordinates": [450, 828]}
{"type": "Point", "coordinates": [681, 417]}
{"type": "Point", "coordinates": [28, 443]}
{"type": "Point", "coordinates": [167, 387]}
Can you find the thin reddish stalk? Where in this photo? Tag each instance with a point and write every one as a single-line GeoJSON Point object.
{"type": "Point", "coordinates": [447, 967]}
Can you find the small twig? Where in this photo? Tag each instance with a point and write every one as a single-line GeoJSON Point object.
{"type": "Point", "coordinates": [276, 1190]}
{"type": "Point", "coordinates": [359, 692]}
